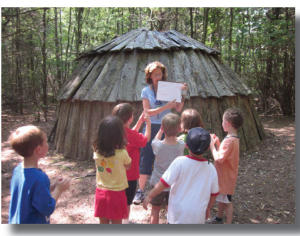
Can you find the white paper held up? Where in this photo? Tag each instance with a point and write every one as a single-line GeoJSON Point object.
{"type": "Point", "coordinates": [168, 91]}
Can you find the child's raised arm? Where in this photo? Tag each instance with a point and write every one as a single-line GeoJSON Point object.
{"type": "Point", "coordinates": [215, 140]}
{"type": "Point", "coordinates": [223, 153]}
{"type": "Point", "coordinates": [139, 123]}
{"type": "Point", "coordinates": [159, 133]}
{"type": "Point", "coordinates": [148, 126]}
{"type": "Point", "coordinates": [144, 117]}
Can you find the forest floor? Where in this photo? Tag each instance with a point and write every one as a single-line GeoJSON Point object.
{"type": "Point", "coordinates": [265, 192]}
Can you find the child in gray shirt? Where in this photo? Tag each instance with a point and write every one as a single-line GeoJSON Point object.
{"type": "Point", "coordinates": [165, 152]}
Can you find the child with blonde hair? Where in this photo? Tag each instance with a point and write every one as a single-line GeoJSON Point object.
{"type": "Point", "coordinates": [226, 156]}
{"type": "Point", "coordinates": [31, 199]}
{"type": "Point", "coordinates": [112, 160]}
{"type": "Point", "coordinates": [165, 151]}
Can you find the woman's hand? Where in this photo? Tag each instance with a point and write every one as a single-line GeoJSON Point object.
{"type": "Point", "coordinates": [171, 104]}
{"type": "Point", "coordinates": [184, 87]}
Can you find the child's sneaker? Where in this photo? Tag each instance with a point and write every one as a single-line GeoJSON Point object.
{"type": "Point", "coordinates": [139, 197]}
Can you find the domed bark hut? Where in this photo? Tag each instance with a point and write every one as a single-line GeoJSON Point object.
{"type": "Point", "coordinates": [114, 73]}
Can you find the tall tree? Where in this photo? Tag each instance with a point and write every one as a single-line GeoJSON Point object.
{"type": "Point", "coordinates": [66, 64]}
{"type": "Point", "coordinates": [205, 24]}
{"type": "Point", "coordinates": [79, 16]}
{"type": "Point", "coordinates": [176, 18]}
{"type": "Point", "coordinates": [57, 50]}
{"type": "Point", "coordinates": [191, 22]}
{"type": "Point", "coordinates": [44, 64]}
{"type": "Point", "coordinates": [19, 83]}
{"type": "Point", "coordinates": [230, 36]}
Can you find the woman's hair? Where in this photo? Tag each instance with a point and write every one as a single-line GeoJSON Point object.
{"type": "Point", "coordinates": [234, 117]}
{"type": "Point", "coordinates": [110, 136]}
{"type": "Point", "coordinates": [25, 139]}
{"type": "Point", "coordinates": [171, 124]}
{"type": "Point", "coordinates": [124, 111]}
{"type": "Point", "coordinates": [151, 67]}
{"type": "Point", "coordinates": [190, 118]}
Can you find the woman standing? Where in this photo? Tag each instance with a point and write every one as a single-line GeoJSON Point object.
{"type": "Point", "coordinates": [156, 109]}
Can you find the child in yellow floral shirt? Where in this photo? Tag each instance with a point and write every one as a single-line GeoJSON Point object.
{"type": "Point", "coordinates": [112, 160]}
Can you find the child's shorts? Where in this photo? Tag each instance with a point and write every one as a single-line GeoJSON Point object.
{"type": "Point", "coordinates": [161, 199]}
{"type": "Point", "coordinates": [130, 191]}
{"type": "Point", "coordinates": [110, 204]}
{"type": "Point", "coordinates": [224, 198]}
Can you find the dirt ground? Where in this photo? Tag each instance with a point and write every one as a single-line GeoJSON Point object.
{"type": "Point", "coordinates": [265, 192]}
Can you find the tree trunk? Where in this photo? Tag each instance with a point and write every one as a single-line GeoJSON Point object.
{"type": "Point", "coordinates": [44, 65]}
{"type": "Point", "coordinates": [205, 24]}
{"type": "Point", "coordinates": [230, 37]}
{"type": "Point", "coordinates": [34, 87]}
{"type": "Point", "coordinates": [238, 62]}
{"type": "Point", "coordinates": [140, 17]}
{"type": "Point", "coordinates": [131, 11]}
{"type": "Point", "coordinates": [19, 105]}
{"type": "Point", "coordinates": [78, 29]}
{"type": "Point", "coordinates": [176, 18]}
{"type": "Point", "coordinates": [285, 94]}
{"type": "Point", "coordinates": [57, 47]}
{"type": "Point", "coordinates": [61, 47]}
{"type": "Point", "coordinates": [217, 33]}
{"type": "Point", "coordinates": [68, 45]}
{"type": "Point", "coordinates": [151, 20]}
{"type": "Point", "coordinates": [122, 24]}
{"type": "Point", "coordinates": [191, 22]}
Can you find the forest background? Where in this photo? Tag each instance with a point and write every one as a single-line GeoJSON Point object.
{"type": "Point", "coordinates": [40, 47]}
{"type": "Point", "coordinates": [39, 51]}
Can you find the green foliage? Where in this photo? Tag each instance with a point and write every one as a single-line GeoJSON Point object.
{"type": "Point", "coordinates": [257, 38]}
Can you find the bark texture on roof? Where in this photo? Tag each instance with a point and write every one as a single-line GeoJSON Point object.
{"type": "Point", "coordinates": [111, 73]}
{"type": "Point", "coordinates": [144, 39]}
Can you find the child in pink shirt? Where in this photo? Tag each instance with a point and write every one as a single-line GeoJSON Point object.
{"type": "Point", "coordinates": [226, 156]}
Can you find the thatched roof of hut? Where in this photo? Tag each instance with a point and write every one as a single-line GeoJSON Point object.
{"type": "Point", "coordinates": [151, 40]}
{"type": "Point", "coordinates": [114, 71]}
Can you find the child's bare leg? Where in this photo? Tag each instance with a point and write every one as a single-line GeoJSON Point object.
{"type": "Point", "coordinates": [221, 208]}
{"type": "Point", "coordinates": [142, 181]}
{"type": "Point", "coordinates": [104, 220]}
{"type": "Point", "coordinates": [128, 207]}
{"type": "Point", "coordinates": [154, 217]}
{"type": "Point", "coordinates": [229, 213]}
{"type": "Point", "coordinates": [119, 221]}
{"type": "Point", "coordinates": [126, 221]}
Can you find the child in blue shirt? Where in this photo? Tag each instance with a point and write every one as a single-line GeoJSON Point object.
{"type": "Point", "coordinates": [31, 201]}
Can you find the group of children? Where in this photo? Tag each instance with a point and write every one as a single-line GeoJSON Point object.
{"type": "Point", "coordinates": [182, 178]}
